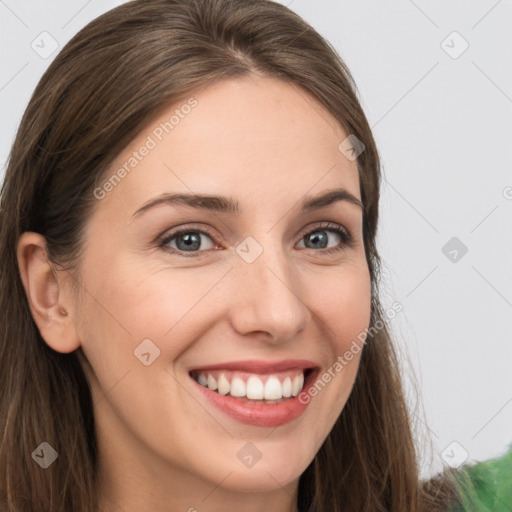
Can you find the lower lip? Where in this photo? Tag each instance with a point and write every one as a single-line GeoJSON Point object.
{"type": "Point", "coordinates": [260, 415]}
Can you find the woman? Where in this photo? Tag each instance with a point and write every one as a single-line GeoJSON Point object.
{"type": "Point", "coordinates": [189, 281]}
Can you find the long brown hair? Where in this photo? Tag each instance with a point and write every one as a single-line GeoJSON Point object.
{"type": "Point", "coordinates": [106, 84]}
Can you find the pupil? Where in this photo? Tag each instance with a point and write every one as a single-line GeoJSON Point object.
{"type": "Point", "coordinates": [317, 236]}
{"type": "Point", "coordinates": [190, 241]}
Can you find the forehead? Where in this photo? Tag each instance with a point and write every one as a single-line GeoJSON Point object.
{"type": "Point", "coordinates": [248, 137]}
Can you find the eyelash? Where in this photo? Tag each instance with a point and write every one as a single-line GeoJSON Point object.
{"type": "Point", "coordinates": [345, 236]}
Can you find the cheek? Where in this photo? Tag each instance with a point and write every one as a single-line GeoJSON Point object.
{"type": "Point", "coordinates": [341, 301]}
{"type": "Point", "coordinates": [129, 303]}
{"type": "Point", "coordinates": [342, 305]}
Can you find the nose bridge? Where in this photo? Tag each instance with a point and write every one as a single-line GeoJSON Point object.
{"type": "Point", "coordinates": [267, 291]}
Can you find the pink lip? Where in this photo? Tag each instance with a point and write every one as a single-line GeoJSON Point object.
{"type": "Point", "coordinates": [259, 365]}
{"type": "Point", "coordinates": [260, 415]}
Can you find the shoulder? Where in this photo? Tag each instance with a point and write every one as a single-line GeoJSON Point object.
{"type": "Point", "coordinates": [486, 486]}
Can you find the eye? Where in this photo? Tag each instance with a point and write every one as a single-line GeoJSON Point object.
{"type": "Point", "coordinates": [319, 240]}
{"type": "Point", "coordinates": [186, 240]}
{"type": "Point", "coordinates": [189, 240]}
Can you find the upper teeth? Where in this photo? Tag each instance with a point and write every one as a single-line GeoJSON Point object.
{"type": "Point", "coordinates": [252, 386]}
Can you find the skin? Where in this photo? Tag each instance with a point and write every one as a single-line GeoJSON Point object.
{"type": "Point", "coordinates": [267, 144]}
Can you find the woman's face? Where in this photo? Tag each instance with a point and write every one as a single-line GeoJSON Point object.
{"type": "Point", "coordinates": [240, 291]}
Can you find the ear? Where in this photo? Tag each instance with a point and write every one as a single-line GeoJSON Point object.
{"type": "Point", "coordinates": [49, 304]}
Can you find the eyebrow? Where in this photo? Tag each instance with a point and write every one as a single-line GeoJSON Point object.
{"type": "Point", "coordinates": [230, 205]}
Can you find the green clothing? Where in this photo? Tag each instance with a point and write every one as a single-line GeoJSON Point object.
{"type": "Point", "coordinates": [486, 486]}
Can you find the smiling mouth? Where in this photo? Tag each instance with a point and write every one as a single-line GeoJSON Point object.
{"type": "Point", "coordinates": [269, 388]}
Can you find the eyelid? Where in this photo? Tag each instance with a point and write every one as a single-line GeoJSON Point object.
{"type": "Point", "coordinates": [342, 231]}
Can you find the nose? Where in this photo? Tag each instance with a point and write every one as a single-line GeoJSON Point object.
{"type": "Point", "coordinates": [268, 299]}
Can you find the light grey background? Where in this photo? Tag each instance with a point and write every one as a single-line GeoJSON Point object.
{"type": "Point", "coordinates": [442, 122]}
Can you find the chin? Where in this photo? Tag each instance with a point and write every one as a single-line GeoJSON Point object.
{"type": "Point", "coordinates": [255, 481]}
{"type": "Point", "coordinates": [267, 474]}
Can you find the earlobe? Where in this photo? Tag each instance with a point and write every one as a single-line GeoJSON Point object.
{"type": "Point", "coordinates": [46, 294]}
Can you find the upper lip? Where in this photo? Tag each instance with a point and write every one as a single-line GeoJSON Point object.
{"type": "Point", "coordinates": [259, 365]}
